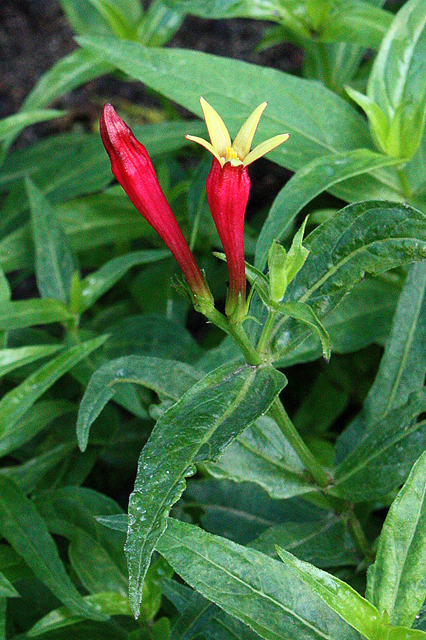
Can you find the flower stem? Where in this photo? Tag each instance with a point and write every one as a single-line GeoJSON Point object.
{"type": "Point", "coordinates": [237, 333]}
{"type": "Point", "coordinates": [266, 331]}
{"type": "Point", "coordinates": [310, 463]}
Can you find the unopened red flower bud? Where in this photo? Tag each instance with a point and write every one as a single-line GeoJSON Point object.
{"type": "Point", "coordinates": [132, 167]}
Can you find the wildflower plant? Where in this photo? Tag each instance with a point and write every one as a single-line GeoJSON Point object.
{"type": "Point", "coordinates": [246, 460]}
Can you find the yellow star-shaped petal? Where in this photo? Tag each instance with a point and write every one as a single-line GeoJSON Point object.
{"type": "Point", "coordinates": [236, 153]}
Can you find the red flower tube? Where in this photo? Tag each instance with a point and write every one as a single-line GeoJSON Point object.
{"type": "Point", "coordinates": [228, 188]}
{"type": "Point", "coordinates": [133, 169]}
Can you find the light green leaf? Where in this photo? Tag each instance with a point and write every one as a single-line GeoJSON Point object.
{"type": "Point", "coordinates": [303, 313]}
{"type": "Point", "coordinates": [314, 178]}
{"type": "Point", "coordinates": [54, 262]}
{"type": "Point", "coordinates": [159, 24]}
{"type": "Point", "coordinates": [357, 22]}
{"type": "Point", "coordinates": [16, 402]}
{"type": "Point", "coordinates": [85, 17]}
{"type": "Point", "coordinates": [68, 73]}
{"type": "Point", "coordinates": [338, 595]}
{"type": "Point", "coordinates": [167, 377]}
{"type": "Point", "coordinates": [261, 592]}
{"type": "Point", "coordinates": [198, 427]}
{"type": "Point", "coordinates": [108, 604]}
{"type": "Point", "coordinates": [263, 456]}
{"type": "Point", "coordinates": [13, 125]}
{"type": "Point", "coordinates": [397, 580]}
{"type": "Point", "coordinates": [11, 359]}
{"type": "Point", "coordinates": [25, 313]}
{"type": "Point", "coordinates": [397, 80]}
{"type": "Point", "coordinates": [98, 283]}
{"type": "Point", "coordinates": [26, 531]}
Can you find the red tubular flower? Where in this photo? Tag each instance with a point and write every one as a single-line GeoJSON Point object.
{"type": "Point", "coordinates": [228, 188]}
{"type": "Point", "coordinates": [133, 169]}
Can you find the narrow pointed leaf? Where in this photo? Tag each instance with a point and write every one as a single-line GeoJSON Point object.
{"type": "Point", "coordinates": [397, 583]}
{"type": "Point", "coordinates": [108, 604]}
{"type": "Point", "coordinates": [11, 359]}
{"type": "Point", "coordinates": [26, 531]}
{"type": "Point", "coordinates": [98, 283]}
{"type": "Point", "coordinates": [168, 377]}
{"type": "Point", "coordinates": [54, 263]}
{"type": "Point", "coordinates": [339, 596]}
{"type": "Point", "coordinates": [26, 313]}
{"type": "Point", "coordinates": [198, 427]}
{"type": "Point", "coordinates": [16, 402]}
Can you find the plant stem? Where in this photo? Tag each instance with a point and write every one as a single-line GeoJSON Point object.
{"type": "Point", "coordinates": [310, 463]}
{"type": "Point", "coordinates": [266, 331]}
{"type": "Point", "coordinates": [237, 333]}
{"type": "Point", "coordinates": [403, 181]}
{"type": "Point", "coordinates": [358, 535]}
{"type": "Point", "coordinates": [277, 410]}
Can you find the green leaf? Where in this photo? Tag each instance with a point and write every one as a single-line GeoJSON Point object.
{"type": "Point", "coordinates": [16, 402]}
{"type": "Point", "coordinates": [263, 456]}
{"type": "Point", "coordinates": [382, 460]}
{"type": "Point", "coordinates": [108, 604]}
{"type": "Point", "coordinates": [11, 359]}
{"type": "Point", "coordinates": [363, 317]}
{"type": "Point", "coordinates": [326, 124]}
{"type": "Point", "coordinates": [324, 543]}
{"type": "Point", "coordinates": [368, 237]}
{"type": "Point", "coordinates": [396, 581]}
{"type": "Point", "coordinates": [167, 377]}
{"type": "Point", "coordinates": [403, 364]}
{"type": "Point", "coordinates": [26, 531]}
{"type": "Point", "coordinates": [85, 17]}
{"type": "Point", "coordinates": [98, 283]}
{"type": "Point", "coordinates": [397, 80]}
{"type": "Point", "coordinates": [25, 313]}
{"type": "Point", "coordinates": [159, 24]}
{"type": "Point", "coordinates": [30, 474]}
{"type": "Point", "coordinates": [41, 415]}
{"type": "Point", "coordinates": [152, 334]}
{"type": "Point", "coordinates": [339, 596]}
{"type": "Point", "coordinates": [198, 427]}
{"type": "Point", "coordinates": [13, 125]}
{"type": "Point", "coordinates": [7, 590]}
{"type": "Point", "coordinates": [304, 313]}
{"type": "Point", "coordinates": [54, 262]}
{"type": "Point", "coordinates": [357, 22]}
{"type": "Point", "coordinates": [261, 592]}
{"type": "Point", "coordinates": [314, 178]}
{"type": "Point", "coordinates": [193, 619]}
{"type": "Point", "coordinates": [67, 74]}
{"type": "Point", "coordinates": [96, 553]}
{"type": "Point", "coordinates": [220, 627]}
